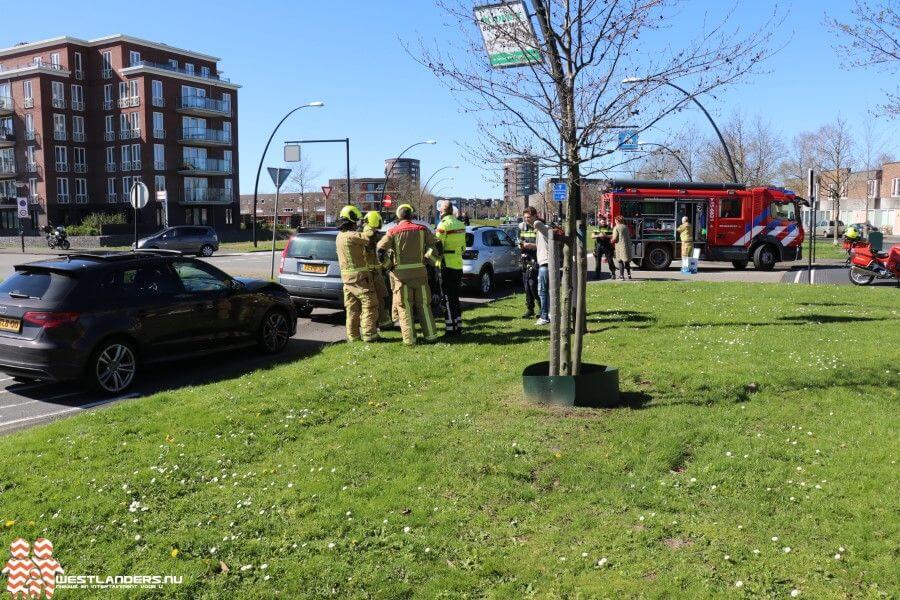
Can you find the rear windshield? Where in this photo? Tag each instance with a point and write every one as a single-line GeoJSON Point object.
{"type": "Point", "coordinates": [313, 247]}
{"type": "Point", "coordinates": [35, 284]}
{"type": "Point", "coordinates": [470, 240]}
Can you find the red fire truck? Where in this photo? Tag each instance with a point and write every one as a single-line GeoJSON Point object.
{"type": "Point", "coordinates": [730, 222]}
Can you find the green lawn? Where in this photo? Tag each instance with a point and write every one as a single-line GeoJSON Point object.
{"type": "Point", "coordinates": [378, 471]}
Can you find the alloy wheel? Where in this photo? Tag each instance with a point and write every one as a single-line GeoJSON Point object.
{"type": "Point", "coordinates": [115, 368]}
{"type": "Point", "coordinates": [275, 332]}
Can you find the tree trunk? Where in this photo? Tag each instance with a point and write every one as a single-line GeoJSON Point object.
{"type": "Point", "coordinates": [580, 297]}
{"type": "Point", "coordinates": [836, 206]}
{"type": "Point", "coordinates": [573, 215]}
{"type": "Point", "coordinates": [554, 304]}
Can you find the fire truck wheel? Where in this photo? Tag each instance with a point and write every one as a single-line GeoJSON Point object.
{"type": "Point", "coordinates": [764, 258]}
{"type": "Point", "coordinates": [658, 258]}
{"type": "Point", "coordinates": [740, 265]}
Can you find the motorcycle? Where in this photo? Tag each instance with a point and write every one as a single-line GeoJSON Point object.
{"type": "Point", "coordinates": [867, 265]}
{"type": "Point", "coordinates": [57, 237]}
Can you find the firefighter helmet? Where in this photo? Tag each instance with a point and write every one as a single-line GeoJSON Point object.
{"type": "Point", "coordinates": [373, 219]}
{"type": "Point", "coordinates": [404, 208]}
{"type": "Point", "coordinates": [351, 213]}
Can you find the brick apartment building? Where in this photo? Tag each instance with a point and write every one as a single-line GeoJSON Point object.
{"type": "Point", "coordinates": [81, 120]}
{"type": "Point", "coordinates": [877, 189]}
{"type": "Point", "coordinates": [310, 208]}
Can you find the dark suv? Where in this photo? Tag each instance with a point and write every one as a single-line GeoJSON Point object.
{"type": "Point", "coordinates": [103, 316]}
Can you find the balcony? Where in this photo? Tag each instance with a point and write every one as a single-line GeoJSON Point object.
{"type": "Point", "coordinates": [131, 101]}
{"type": "Point", "coordinates": [207, 196]}
{"type": "Point", "coordinates": [6, 106]}
{"type": "Point", "coordinates": [198, 105]}
{"type": "Point", "coordinates": [158, 102]}
{"type": "Point", "coordinates": [7, 137]}
{"type": "Point", "coordinates": [204, 166]}
{"type": "Point", "coordinates": [168, 67]}
{"type": "Point", "coordinates": [200, 136]}
{"type": "Point", "coordinates": [80, 167]}
{"type": "Point", "coordinates": [30, 136]}
{"type": "Point", "coordinates": [109, 136]}
{"type": "Point", "coordinates": [62, 167]}
{"type": "Point", "coordinates": [78, 105]}
{"type": "Point", "coordinates": [107, 104]}
{"type": "Point", "coordinates": [77, 136]}
{"type": "Point", "coordinates": [62, 198]}
{"type": "Point", "coordinates": [111, 198]}
{"type": "Point", "coordinates": [81, 199]}
{"type": "Point", "coordinates": [58, 103]}
{"type": "Point", "coordinates": [7, 168]}
{"type": "Point", "coordinates": [28, 102]}
{"type": "Point", "coordinates": [59, 136]}
{"type": "Point", "coordinates": [110, 167]}
{"type": "Point", "coordinates": [129, 134]}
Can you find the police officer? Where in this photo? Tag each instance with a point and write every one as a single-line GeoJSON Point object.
{"type": "Point", "coordinates": [409, 243]}
{"type": "Point", "coordinates": [359, 289]}
{"type": "Point", "coordinates": [372, 226]}
{"type": "Point", "coordinates": [603, 248]}
{"type": "Point", "coordinates": [527, 245]}
{"type": "Point", "coordinates": [451, 232]}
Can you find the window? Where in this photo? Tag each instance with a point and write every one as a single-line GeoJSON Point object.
{"type": "Point", "coordinates": [107, 96]}
{"type": "Point", "coordinates": [872, 188]}
{"type": "Point", "coordinates": [80, 160]}
{"type": "Point", "coordinates": [229, 189]}
{"type": "Point", "coordinates": [59, 94]}
{"type": "Point", "coordinates": [62, 190]}
{"type": "Point", "coordinates": [159, 183]}
{"type": "Point", "coordinates": [29, 125]}
{"type": "Point", "coordinates": [38, 60]}
{"type": "Point", "coordinates": [107, 65]}
{"type": "Point", "coordinates": [29, 157]}
{"type": "Point", "coordinates": [783, 211]}
{"type": "Point", "coordinates": [33, 188]}
{"type": "Point", "coordinates": [134, 58]}
{"type": "Point", "coordinates": [157, 92]}
{"type": "Point", "coordinates": [110, 125]}
{"type": "Point", "coordinates": [198, 277]}
{"type": "Point", "coordinates": [895, 187]}
{"type": "Point", "coordinates": [79, 71]}
{"type": "Point", "coordinates": [62, 158]}
{"type": "Point", "coordinates": [126, 157]}
{"type": "Point", "coordinates": [227, 160]}
{"type": "Point", "coordinates": [54, 60]}
{"type": "Point", "coordinates": [226, 131]}
{"type": "Point", "coordinates": [229, 220]}
{"type": "Point", "coordinates": [730, 208]}
{"type": "Point", "coordinates": [226, 102]}
{"type": "Point", "coordinates": [110, 158]}
{"type": "Point", "coordinates": [159, 131]}
{"type": "Point", "coordinates": [78, 129]}
{"type": "Point", "coordinates": [123, 90]}
{"type": "Point", "coordinates": [173, 63]}
{"type": "Point", "coordinates": [204, 71]}
{"type": "Point", "coordinates": [133, 89]}
{"type": "Point", "coordinates": [126, 188]}
{"type": "Point", "coordinates": [159, 157]}
{"type": "Point", "coordinates": [28, 91]}
{"type": "Point", "coordinates": [77, 97]}
{"type": "Point", "coordinates": [111, 188]}
{"type": "Point", "coordinates": [59, 127]}
{"type": "Point", "coordinates": [195, 216]}
{"type": "Point", "coordinates": [80, 190]}
{"type": "Point", "coordinates": [151, 280]}
{"type": "Point", "coordinates": [189, 68]}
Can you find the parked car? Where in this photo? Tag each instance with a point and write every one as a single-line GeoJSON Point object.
{"type": "Point", "coordinates": [826, 229]}
{"type": "Point", "coordinates": [490, 255]}
{"type": "Point", "coordinates": [103, 316]}
{"type": "Point", "coordinates": [310, 272]}
{"type": "Point", "coordinates": [189, 239]}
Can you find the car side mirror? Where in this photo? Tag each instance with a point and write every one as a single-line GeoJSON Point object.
{"type": "Point", "coordinates": [235, 285]}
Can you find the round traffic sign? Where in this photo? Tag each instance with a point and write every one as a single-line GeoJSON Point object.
{"type": "Point", "coordinates": [140, 195]}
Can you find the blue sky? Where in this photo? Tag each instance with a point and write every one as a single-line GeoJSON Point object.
{"type": "Point", "coordinates": [348, 54]}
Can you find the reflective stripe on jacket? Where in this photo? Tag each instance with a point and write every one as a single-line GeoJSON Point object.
{"type": "Point", "coordinates": [409, 241]}
{"type": "Point", "coordinates": [351, 251]}
{"type": "Point", "coordinates": [452, 234]}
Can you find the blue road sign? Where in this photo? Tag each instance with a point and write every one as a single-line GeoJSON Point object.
{"type": "Point", "coordinates": [628, 140]}
{"type": "Point", "coordinates": [559, 191]}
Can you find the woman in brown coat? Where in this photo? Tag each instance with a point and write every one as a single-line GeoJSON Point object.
{"type": "Point", "coordinates": [621, 239]}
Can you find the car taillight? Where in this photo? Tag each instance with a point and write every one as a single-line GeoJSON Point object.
{"type": "Point", "coordinates": [284, 255]}
{"type": "Point", "coordinates": [49, 320]}
{"type": "Point", "coordinates": [470, 254]}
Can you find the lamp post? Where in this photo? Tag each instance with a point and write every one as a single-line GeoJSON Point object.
{"type": "Point", "coordinates": [387, 175]}
{"type": "Point", "coordinates": [705, 112]}
{"type": "Point", "coordinates": [674, 153]}
{"type": "Point", "coordinates": [425, 187]}
{"type": "Point", "coordinates": [263, 157]}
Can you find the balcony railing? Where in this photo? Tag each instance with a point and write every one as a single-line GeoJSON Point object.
{"type": "Point", "coordinates": [136, 165]}
{"type": "Point", "coordinates": [205, 104]}
{"type": "Point", "coordinates": [201, 134]}
{"type": "Point", "coordinates": [109, 136]}
{"type": "Point", "coordinates": [7, 135]}
{"type": "Point", "coordinates": [110, 167]}
{"type": "Point", "coordinates": [62, 167]}
{"type": "Point", "coordinates": [128, 134]}
{"type": "Point", "coordinates": [78, 105]}
{"type": "Point", "coordinates": [77, 136]}
{"type": "Point", "coordinates": [208, 165]}
{"type": "Point", "coordinates": [107, 104]}
{"type": "Point", "coordinates": [59, 136]}
{"type": "Point", "coordinates": [79, 74]}
{"type": "Point", "coordinates": [81, 167]}
{"type": "Point", "coordinates": [58, 103]}
{"type": "Point", "coordinates": [31, 167]}
{"type": "Point", "coordinates": [62, 198]}
{"type": "Point", "coordinates": [28, 103]}
{"type": "Point", "coordinates": [6, 103]}
{"type": "Point", "coordinates": [159, 165]}
{"type": "Point", "coordinates": [30, 135]}
{"type": "Point", "coordinates": [168, 67]}
{"type": "Point", "coordinates": [158, 102]}
{"type": "Point", "coordinates": [111, 198]}
{"type": "Point", "coordinates": [106, 73]}
{"type": "Point", "coordinates": [159, 133]}
{"type": "Point", "coordinates": [81, 199]}
{"type": "Point", "coordinates": [126, 165]}
{"type": "Point", "coordinates": [208, 195]}
{"type": "Point", "coordinates": [7, 166]}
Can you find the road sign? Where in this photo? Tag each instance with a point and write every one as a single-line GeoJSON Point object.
{"type": "Point", "coordinates": [161, 196]}
{"type": "Point", "coordinates": [292, 153]}
{"type": "Point", "coordinates": [279, 176]}
{"type": "Point", "coordinates": [508, 34]}
{"type": "Point", "coordinates": [388, 201]}
{"type": "Point", "coordinates": [22, 204]}
{"type": "Point", "coordinates": [326, 189]}
{"type": "Point", "coordinates": [139, 195]}
{"type": "Point", "coordinates": [628, 140]}
{"type": "Point", "coordinates": [560, 191]}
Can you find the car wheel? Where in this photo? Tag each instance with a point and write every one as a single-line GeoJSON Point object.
{"type": "Point", "coordinates": [304, 311]}
{"type": "Point", "coordinates": [658, 258]}
{"type": "Point", "coordinates": [206, 250]}
{"type": "Point", "coordinates": [274, 332]}
{"type": "Point", "coordinates": [486, 281]}
{"type": "Point", "coordinates": [66, 244]}
{"type": "Point", "coordinates": [764, 258]}
{"type": "Point", "coordinates": [860, 277]}
{"type": "Point", "coordinates": [740, 265]}
{"type": "Point", "coordinates": [113, 367]}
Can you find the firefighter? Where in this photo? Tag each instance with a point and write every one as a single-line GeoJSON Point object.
{"type": "Point", "coordinates": [686, 234]}
{"type": "Point", "coordinates": [409, 243]}
{"type": "Point", "coordinates": [359, 288]}
{"type": "Point", "coordinates": [528, 254]}
{"type": "Point", "coordinates": [373, 227]}
{"type": "Point", "coordinates": [451, 232]}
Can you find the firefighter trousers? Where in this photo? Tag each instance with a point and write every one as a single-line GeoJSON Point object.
{"type": "Point", "coordinates": [451, 280]}
{"type": "Point", "coordinates": [412, 301]}
{"type": "Point", "coordinates": [362, 310]}
{"type": "Point", "coordinates": [381, 296]}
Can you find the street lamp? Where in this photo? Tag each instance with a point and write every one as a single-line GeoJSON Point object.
{"type": "Point", "coordinates": [263, 157]}
{"type": "Point", "coordinates": [674, 153]}
{"type": "Point", "coordinates": [705, 112]}
{"type": "Point", "coordinates": [387, 175]}
{"type": "Point", "coordinates": [425, 187]}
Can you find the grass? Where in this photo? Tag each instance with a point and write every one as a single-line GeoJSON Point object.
{"type": "Point", "coordinates": [756, 412]}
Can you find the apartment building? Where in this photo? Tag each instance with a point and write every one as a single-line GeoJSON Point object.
{"type": "Point", "coordinates": [521, 179]}
{"type": "Point", "coordinates": [82, 120]}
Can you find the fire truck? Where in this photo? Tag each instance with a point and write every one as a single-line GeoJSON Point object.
{"type": "Point", "coordinates": [730, 222]}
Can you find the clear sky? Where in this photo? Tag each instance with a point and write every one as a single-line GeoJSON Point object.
{"type": "Point", "coordinates": [348, 53]}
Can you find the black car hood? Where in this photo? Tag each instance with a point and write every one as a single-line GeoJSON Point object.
{"type": "Point", "coordinates": [253, 285]}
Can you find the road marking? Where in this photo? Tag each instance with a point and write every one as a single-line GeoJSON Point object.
{"type": "Point", "coordinates": [68, 410]}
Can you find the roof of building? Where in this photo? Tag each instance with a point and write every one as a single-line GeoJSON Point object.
{"type": "Point", "coordinates": [119, 37]}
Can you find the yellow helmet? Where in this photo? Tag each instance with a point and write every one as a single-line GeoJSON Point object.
{"type": "Point", "coordinates": [405, 207]}
{"type": "Point", "coordinates": [852, 233]}
{"type": "Point", "coordinates": [373, 219]}
{"type": "Point", "coordinates": [351, 213]}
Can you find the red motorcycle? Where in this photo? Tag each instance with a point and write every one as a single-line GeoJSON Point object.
{"type": "Point", "coordinates": [866, 266]}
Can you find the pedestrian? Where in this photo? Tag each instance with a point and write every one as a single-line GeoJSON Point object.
{"type": "Point", "coordinates": [373, 224]}
{"type": "Point", "coordinates": [528, 236]}
{"type": "Point", "coordinates": [409, 242]}
{"type": "Point", "coordinates": [541, 248]}
{"type": "Point", "coordinates": [465, 219]}
{"type": "Point", "coordinates": [621, 240]}
{"type": "Point", "coordinates": [686, 234]}
{"type": "Point", "coordinates": [359, 288]}
{"type": "Point", "coordinates": [451, 232]}
{"type": "Point", "coordinates": [603, 248]}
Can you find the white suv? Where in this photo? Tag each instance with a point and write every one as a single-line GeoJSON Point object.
{"type": "Point", "coordinates": [490, 254]}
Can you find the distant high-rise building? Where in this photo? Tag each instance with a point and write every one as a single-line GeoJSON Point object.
{"type": "Point", "coordinates": [405, 169]}
{"type": "Point", "coordinates": [520, 178]}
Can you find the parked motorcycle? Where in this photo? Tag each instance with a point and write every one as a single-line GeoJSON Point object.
{"type": "Point", "coordinates": [57, 237]}
{"type": "Point", "coordinates": [866, 265]}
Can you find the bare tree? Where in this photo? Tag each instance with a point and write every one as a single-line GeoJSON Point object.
{"type": "Point", "coordinates": [755, 147]}
{"type": "Point", "coordinates": [302, 180]}
{"type": "Point", "coordinates": [802, 154]}
{"type": "Point", "coordinates": [566, 108]}
{"type": "Point", "coordinates": [872, 38]}
{"type": "Point", "coordinates": [835, 149]}
{"type": "Point", "coordinates": [873, 149]}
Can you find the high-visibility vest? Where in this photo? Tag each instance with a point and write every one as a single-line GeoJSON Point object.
{"type": "Point", "coordinates": [452, 233]}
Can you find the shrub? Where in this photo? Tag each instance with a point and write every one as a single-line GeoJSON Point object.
{"type": "Point", "coordinates": [92, 223]}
